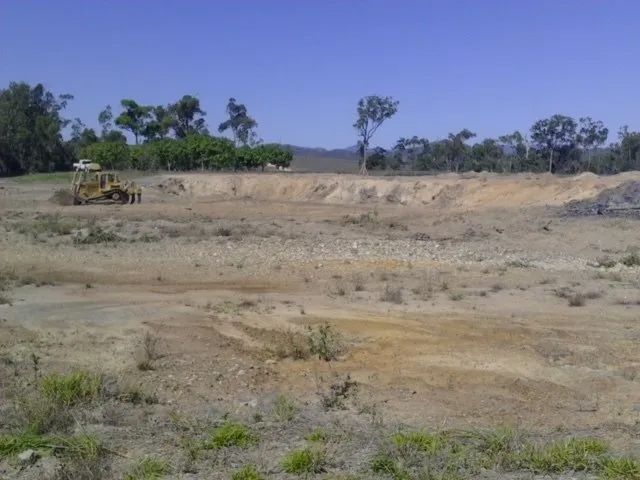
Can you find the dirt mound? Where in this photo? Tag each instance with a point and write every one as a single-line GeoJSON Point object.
{"type": "Point", "coordinates": [449, 191]}
{"type": "Point", "coordinates": [623, 199]}
{"type": "Point", "coordinates": [62, 197]}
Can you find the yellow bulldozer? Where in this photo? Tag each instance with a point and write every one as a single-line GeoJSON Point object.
{"type": "Point", "coordinates": [90, 184]}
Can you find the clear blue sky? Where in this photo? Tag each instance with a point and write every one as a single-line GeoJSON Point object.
{"type": "Point", "coordinates": [300, 66]}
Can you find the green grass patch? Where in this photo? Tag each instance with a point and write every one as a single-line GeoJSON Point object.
{"type": "Point", "coordinates": [148, 468]}
{"type": "Point", "coordinates": [305, 461]}
{"type": "Point", "coordinates": [231, 434]}
{"type": "Point", "coordinates": [248, 472]}
{"type": "Point", "coordinates": [53, 177]}
{"type": "Point", "coordinates": [79, 446]}
{"type": "Point", "coordinates": [419, 440]}
{"type": "Point", "coordinates": [575, 454]}
{"type": "Point", "coordinates": [72, 388]}
{"type": "Point", "coordinates": [318, 435]}
{"type": "Point", "coordinates": [285, 409]}
{"type": "Point", "coordinates": [621, 468]}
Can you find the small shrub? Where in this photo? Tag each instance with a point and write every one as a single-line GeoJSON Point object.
{"type": "Point", "coordinates": [231, 434]}
{"type": "Point", "coordinates": [223, 232]}
{"type": "Point", "coordinates": [290, 344]}
{"type": "Point", "coordinates": [325, 342]}
{"type": "Point", "coordinates": [577, 300]}
{"type": "Point", "coordinates": [285, 409]}
{"type": "Point", "coordinates": [72, 388]}
{"type": "Point", "coordinates": [148, 469]}
{"type": "Point", "coordinates": [339, 391]}
{"type": "Point", "coordinates": [96, 235]}
{"type": "Point", "coordinates": [5, 299]}
{"type": "Point", "coordinates": [496, 287]}
{"type": "Point", "coordinates": [248, 472]}
{"type": "Point", "coordinates": [305, 461]}
{"type": "Point", "coordinates": [392, 295]}
{"type": "Point", "coordinates": [631, 260]}
{"type": "Point", "coordinates": [147, 351]}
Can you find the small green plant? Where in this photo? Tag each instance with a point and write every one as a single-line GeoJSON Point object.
{"type": "Point", "coordinates": [421, 441]}
{"type": "Point", "coordinates": [285, 409]}
{"type": "Point", "coordinates": [576, 454]}
{"type": "Point", "coordinates": [80, 446]}
{"type": "Point", "coordinates": [392, 295]}
{"type": "Point", "coordinates": [148, 468]}
{"type": "Point", "coordinates": [631, 260]}
{"type": "Point", "coordinates": [248, 472]}
{"type": "Point", "coordinates": [72, 388]}
{"type": "Point", "coordinates": [621, 468]}
{"type": "Point", "coordinates": [231, 434]}
{"type": "Point", "coordinates": [325, 342]}
{"type": "Point", "coordinates": [385, 464]}
{"type": "Point", "coordinates": [96, 235]}
{"type": "Point", "coordinates": [305, 461]}
{"type": "Point", "coordinates": [318, 435]}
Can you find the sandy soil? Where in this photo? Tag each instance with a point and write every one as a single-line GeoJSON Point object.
{"type": "Point", "coordinates": [221, 267]}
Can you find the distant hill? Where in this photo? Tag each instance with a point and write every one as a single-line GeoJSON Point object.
{"type": "Point", "coordinates": [308, 159]}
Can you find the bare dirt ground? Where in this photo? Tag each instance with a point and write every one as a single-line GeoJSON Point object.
{"type": "Point", "coordinates": [461, 303]}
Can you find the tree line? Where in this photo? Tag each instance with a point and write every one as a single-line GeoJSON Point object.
{"type": "Point", "coordinates": [555, 144]}
{"type": "Point", "coordinates": [173, 137]}
{"type": "Point", "coordinates": [176, 137]}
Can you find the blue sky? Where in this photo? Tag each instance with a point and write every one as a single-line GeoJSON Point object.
{"type": "Point", "coordinates": [300, 66]}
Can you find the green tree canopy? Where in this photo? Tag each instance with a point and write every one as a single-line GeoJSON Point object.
{"type": "Point", "coordinates": [553, 134]}
{"type": "Point", "coordinates": [372, 111]}
{"type": "Point", "coordinates": [31, 126]}
{"type": "Point", "coordinates": [133, 118]}
{"type": "Point", "coordinates": [188, 117]}
{"type": "Point", "coordinates": [239, 122]}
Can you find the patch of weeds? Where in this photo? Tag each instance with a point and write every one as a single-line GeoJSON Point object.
{"type": "Point", "coordinates": [134, 394]}
{"type": "Point", "coordinates": [288, 344]}
{"type": "Point", "coordinates": [592, 295]}
{"type": "Point", "coordinates": [285, 409]}
{"type": "Point", "coordinates": [631, 260]}
{"type": "Point", "coordinates": [223, 232]}
{"type": "Point", "coordinates": [612, 276]}
{"type": "Point", "coordinates": [518, 263]}
{"type": "Point", "coordinates": [318, 435]}
{"type": "Point", "coordinates": [147, 351]}
{"type": "Point", "coordinates": [305, 461]}
{"type": "Point", "coordinates": [577, 300]}
{"type": "Point", "coordinates": [605, 262]}
{"type": "Point", "coordinates": [148, 468]}
{"type": "Point", "coordinates": [248, 472]}
{"type": "Point", "coordinates": [72, 388]}
{"type": "Point", "coordinates": [96, 235]}
{"type": "Point", "coordinates": [419, 440]}
{"type": "Point", "coordinates": [563, 292]}
{"type": "Point", "coordinates": [621, 468]}
{"type": "Point", "coordinates": [79, 446]}
{"type": "Point", "coordinates": [231, 434]}
{"type": "Point", "coordinates": [340, 291]}
{"type": "Point", "coordinates": [576, 454]}
{"type": "Point", "coordinates": [456, 296]}
{"type": "Point", "coordinates": [392, 295]}
{"type": "Point", "coordinates": [547, 281]}
{"type": "Point", "coordinates": [325, 342]}
{"type": "Point", "coordinates": [496, 287]}
{"type": "Point", "coordinates": [5, 299]}
{"type": "Point", "coordinates": [338, 393]}
{"type": "Point", "coordinates": [358, 283]}
{"type": "Point", "coordinates": [369, 218]}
